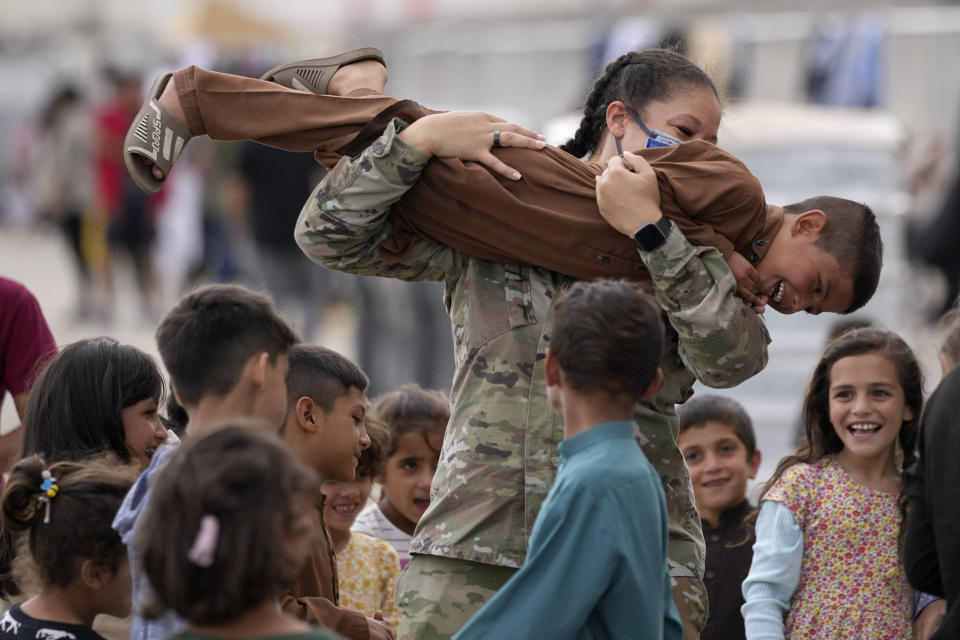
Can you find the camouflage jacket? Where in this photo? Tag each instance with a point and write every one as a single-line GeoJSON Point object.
{"type": "Point", "coordinates": [499, 455]}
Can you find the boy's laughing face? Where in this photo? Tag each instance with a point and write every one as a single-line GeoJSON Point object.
{"type": "Point", "coordinates": [797, 275]}
{"type": "Point", "coordinates": [340, 437]}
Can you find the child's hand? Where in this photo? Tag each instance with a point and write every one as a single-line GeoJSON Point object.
{"type": "Point", "coordinates": [929, 619]}
{"type": "Point", "coordinates": [377, 628]}
{"type": "Point", "coordinates": [470, 135]}
{"type": "Point", "coordinates": [627, 193]}
{"type": "Point", "coordinates": [748, 282]}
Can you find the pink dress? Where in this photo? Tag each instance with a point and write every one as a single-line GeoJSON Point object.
{"type": "Point", "coordinates": [852, 584]}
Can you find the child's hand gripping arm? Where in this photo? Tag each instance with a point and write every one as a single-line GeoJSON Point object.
{"type": "Point", "coordinates": [748, 281]}
{"type": "Point", "coordinates": [722, 341]}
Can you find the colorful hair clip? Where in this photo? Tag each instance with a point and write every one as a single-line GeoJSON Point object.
{"type": "Point", "coordinates": [50, 490]}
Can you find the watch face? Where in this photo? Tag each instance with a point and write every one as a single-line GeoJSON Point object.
{"type": "Point", "coordinates": [650, 236]}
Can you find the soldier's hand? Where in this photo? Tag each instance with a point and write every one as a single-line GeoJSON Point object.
{"type": "Point", "coordinates": [470, 135]}
{"type": "Point", "coordinates": [627, 193]}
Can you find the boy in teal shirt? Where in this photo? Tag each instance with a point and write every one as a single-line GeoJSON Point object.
{"type": "Point", "coordinates": [597, 562]}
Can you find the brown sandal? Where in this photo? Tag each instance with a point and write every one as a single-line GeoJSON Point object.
{"type": "Point", "coordinates": [155, 135]}
{"type": "Point", "coordinates": [314, 75]}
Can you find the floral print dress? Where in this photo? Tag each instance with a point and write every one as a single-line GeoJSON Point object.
{"type": "Point", "coordinates": [852, 584]}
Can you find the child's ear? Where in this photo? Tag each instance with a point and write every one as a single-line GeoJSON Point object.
{"type": "Point", "coordinates": [616, 118]}
{"type": "Point", "coordinates": [810, 223]}
{"type": "Point", "coordinates": [654, 385]}
{"type": "Point", "coordinates": [256, 369]}
{"type": "Point", "coordinates": [551, 369]}
{"type": "Point", "coordinates": [92, 574]}
{"type": "Point", "coordinates": [309, 415]}
{"type": "Point", "coordinates": [753, 464]}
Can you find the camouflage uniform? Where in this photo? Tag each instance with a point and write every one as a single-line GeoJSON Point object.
{"type": "Point", "coordinates": [499, 455]}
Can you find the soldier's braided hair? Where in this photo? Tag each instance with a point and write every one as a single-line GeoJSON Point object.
{"type": "Point", "coordinates": [636, 78]}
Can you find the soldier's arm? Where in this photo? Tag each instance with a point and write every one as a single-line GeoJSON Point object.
{"type": "Point", "coordinates": [347, 217]}
{"type": "Point", "coordinates": [722, 340]}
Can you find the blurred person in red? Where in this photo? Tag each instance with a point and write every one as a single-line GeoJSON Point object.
{"type": "Point", "coordinates": [126, 214]}
{"type": "Point", "coordinates": [25, 344]}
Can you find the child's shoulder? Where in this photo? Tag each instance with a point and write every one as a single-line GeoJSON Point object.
{"type": "Point", "coordinates": [373, 546]}
{"type": "Point", "coordinates": [15, 623]}
{"type": "Point", "coordinates": [799, 482]}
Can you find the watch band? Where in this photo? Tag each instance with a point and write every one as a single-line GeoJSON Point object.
{"type": "Point", "coordinates": [652, 235]}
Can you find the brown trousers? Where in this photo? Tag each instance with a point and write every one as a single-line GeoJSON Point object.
{"type": "Point", "coordinates": [459, 204]}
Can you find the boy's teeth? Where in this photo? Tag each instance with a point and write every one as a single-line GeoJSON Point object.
{"type": "Point", "coordinates": [778, 294]}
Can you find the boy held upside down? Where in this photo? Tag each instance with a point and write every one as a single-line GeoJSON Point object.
{"type": "Point", "coordinates": [822, 254]}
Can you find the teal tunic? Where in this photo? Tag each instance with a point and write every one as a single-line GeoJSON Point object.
{"type": "Point", "coordinates": [597, 564]}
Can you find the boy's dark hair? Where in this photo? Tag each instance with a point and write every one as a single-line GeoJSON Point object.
{"type": "Point", "coordinates": [321, 374]}
{"type": "Point", "coordinates": [852, 236]}
{"type": "Point", "coordinates": [258, 493]}
{"type": "Point", "coordinates": [607, 336]}
{"type": "Point", "coordinates": [208, 336]}
{"type": "Point", "coordinates": [636, 78]}
{"type": "Point", "coordinates": [76, 407]}
{"type": "Point", "coordinates": [373, 459]}
{"type": "Point", "coordinates": [80, 516]}
{"type": "Point", "coordinates": [411, 409]}
{"type": "Point", "coordinates": [700, 410]}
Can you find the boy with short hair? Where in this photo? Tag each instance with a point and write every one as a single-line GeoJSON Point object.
{"type": "Point", "coordinates": [597, 562]}
{"type": "Point", "coordinates": [226, 351]}
{"type": "Point", "coordinates": [325, 429]}
{"type": "Point", "coordinates": [718, 443]}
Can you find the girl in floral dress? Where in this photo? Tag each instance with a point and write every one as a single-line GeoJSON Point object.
{"type": "Point", "coordinates": [827, 558]}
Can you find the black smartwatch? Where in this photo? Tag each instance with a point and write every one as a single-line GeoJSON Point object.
{"type": "Point", "coordinates": [653, 234]}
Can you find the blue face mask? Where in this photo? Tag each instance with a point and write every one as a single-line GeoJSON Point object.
{"type": "Point", "coordinates": [655, 137]}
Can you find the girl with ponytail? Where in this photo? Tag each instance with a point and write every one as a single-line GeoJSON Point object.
{"type": "Point", "coordinates": [68, 553]}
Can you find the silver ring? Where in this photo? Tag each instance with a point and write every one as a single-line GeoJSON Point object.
{"type": "Point", "coordinates": [496, 138]}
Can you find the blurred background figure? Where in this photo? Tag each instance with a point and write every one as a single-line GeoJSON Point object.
{"type": "Point", "coordinates": [62, 179]}
{"type": "Point", "coordinates": [275, 185]}
{"type": "Point", "coordinates": [128, 213]}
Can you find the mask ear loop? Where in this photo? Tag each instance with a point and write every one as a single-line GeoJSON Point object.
{"type": "Point", "coordinates": [616, 140]}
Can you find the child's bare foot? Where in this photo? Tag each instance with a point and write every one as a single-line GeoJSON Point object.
{"type": "Point", "coordinates": [171, 102]}
{"type": "Point", "coordinates": [363, 74]}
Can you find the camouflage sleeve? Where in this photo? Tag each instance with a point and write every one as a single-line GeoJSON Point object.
{"type": "Point", "coordinates": [347, 217]}
{"type": "Point", "coordinates": [722, 340]}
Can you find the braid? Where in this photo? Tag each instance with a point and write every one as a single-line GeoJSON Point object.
{"type": "Point", "coordinates": [637, 78]}
{"type": "Point", "coordinates": [591, 126]}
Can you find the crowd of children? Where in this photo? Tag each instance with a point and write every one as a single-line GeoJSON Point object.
{"type": "Point", "coordinates": [263, 522]}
